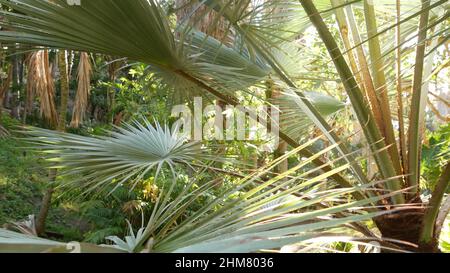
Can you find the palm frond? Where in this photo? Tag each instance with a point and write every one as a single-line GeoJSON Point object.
{"type": "Point", "coordinates": [129, 153]}
{"type": "Point", "coordinates": [294, 121]}
{"type": "Point", "coordinates": [414, 141]}
{"type": "Point", "coordinates": [264, 217]}
{"type": "Point", "coordinates": [13, 242]}
{"type": "Point", "coordinates": [131, 241]}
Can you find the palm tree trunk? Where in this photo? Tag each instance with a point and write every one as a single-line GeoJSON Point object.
{"type": "Point", "coordinates": [45, 206]}
{"type": "Point", "coordinates": [113, 68]}
{"type": "Point", "coordinates": [414, 141]}
{"type": "Point", "coordinates": [4, 88]}
{"type": "Point", "coordinates": [400, 110]}
{"type": "Point", "coordinates": [64, 80]}
{"type": "Point", "coordinates": [378, 67]}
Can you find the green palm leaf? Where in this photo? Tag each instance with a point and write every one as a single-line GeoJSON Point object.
{"type": "Point", "coordinates": [294, 121]}
{"type": "Point", "coordinates": [13, 242]}
{"type": "Point", "coordinates": [128, 153]}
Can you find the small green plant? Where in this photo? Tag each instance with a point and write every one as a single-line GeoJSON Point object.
{"type": "Point", "coordinates": [435, 154]}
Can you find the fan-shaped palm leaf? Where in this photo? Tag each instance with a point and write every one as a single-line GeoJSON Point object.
{"type": "Point", "coordinates": [129, 153]}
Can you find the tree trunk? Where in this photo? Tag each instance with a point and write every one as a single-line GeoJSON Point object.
{"type": "Point", "coordinates": [64, 80]}
{"type": "Point", "coordinates": [111, 98]}
{"type": "Point", "coordinates": [113, 68]}
{"type": "Point", "coordinates": [45, 206]}
{"type": "Point", "coordinates": [47, 199]}
{"type": "Point", "coordinates": [403, 226]}
{"type": "Point", "coordinates": [13, 98]}
{"type": "Point", "coordinates": [5, 87]}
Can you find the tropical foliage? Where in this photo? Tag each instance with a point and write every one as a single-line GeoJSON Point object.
{"type": "Point", "coordinates": [357, 106]}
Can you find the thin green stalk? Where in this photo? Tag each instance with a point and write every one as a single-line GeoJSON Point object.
{"type": "Point", "coordinates": [344, 30]}
{"type": "Point", "coordinates": [367, 78]}
{"type": "Point", "coordinates": [414, 141]}
{"type": "Point", "coordinates": [401, 121]}
{"type": "Point", "coordinates": [363, 113]}
{"type": "Point", "coordinates": [380, 83]}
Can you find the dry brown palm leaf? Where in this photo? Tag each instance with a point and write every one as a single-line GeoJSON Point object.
{"type": "Point", "coordinates": [40, 82]}
{"type": "Point", "coordinates": [83, 90]}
